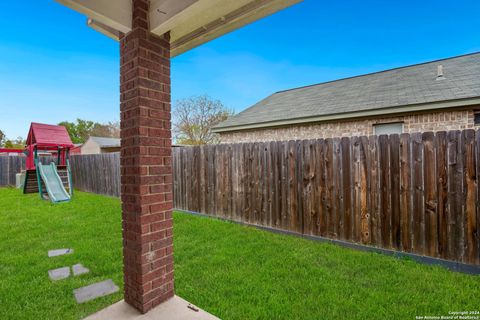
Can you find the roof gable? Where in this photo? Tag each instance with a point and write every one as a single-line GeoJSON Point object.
{"type": "Point", "coordinates": [48, 135]}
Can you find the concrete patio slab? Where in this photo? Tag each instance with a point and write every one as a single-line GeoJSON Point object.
{"type": "Point", "coordinates": [79, 269]}
{"type": "Point", "coordinates": [59, 252]}
{"type": "Point", "coordinates": [95, 290]}
{"type": "Point", "coordinates": [59, 274]}
{"type": "Point", "coordinates": [174, 309]}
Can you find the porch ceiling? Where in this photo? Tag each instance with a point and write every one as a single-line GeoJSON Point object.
{"type": "Point", "coordinates": [190, 22]}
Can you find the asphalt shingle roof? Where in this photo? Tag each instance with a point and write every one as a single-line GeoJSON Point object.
{"type": "Point", "coordinates": [411, 85]}
{"type": "Point", "coordinates": [104, 142]}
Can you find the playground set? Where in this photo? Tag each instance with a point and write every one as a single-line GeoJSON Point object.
{"type": "Point", "coordinates": [51, 180]}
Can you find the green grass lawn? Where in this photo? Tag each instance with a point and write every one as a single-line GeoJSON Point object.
{"type": "Point", "coordinates": [232, 271]}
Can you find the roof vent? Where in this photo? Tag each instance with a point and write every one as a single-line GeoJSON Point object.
{"type": "Point", "coordinates": [440, 75]}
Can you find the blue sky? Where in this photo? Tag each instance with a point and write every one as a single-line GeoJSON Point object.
{"type": "Point", "coordinates": [53, 67]}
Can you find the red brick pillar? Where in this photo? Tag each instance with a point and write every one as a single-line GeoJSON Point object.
{"type": "Point", "coordinates": [146, 164]}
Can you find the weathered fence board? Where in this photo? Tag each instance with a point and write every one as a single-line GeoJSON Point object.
{"type": "Point", "coordinates": [4, 171]}
{"type": "Point", "coordinates": [98, 173]}
{"type": "Point", "coordinates": [414, 192]}
{"type": "Point", "coordinates": [11, 165]}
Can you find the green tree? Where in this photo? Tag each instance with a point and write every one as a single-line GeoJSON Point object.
{"type": "Point", "coordinates": [81, 130]}
{"type": "Point", "coordinates": [109, 129]}
{"type": "Point", "coordinates": [2, 138]}
{"type": "Point", "coordinates": [18, 143]}
{"type": "Point", "coordinates": [8, 144]}
{"type": "Point", "coordinates": [194, 117]}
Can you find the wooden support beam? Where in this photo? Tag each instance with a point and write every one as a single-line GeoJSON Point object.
{"type": "Point", "coordinates": [104, 29]}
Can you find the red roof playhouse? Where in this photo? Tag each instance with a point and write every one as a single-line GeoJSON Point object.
{"type": "Point", "coordinates": [52, 179]}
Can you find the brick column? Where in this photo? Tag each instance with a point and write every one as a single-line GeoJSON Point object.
{"type": "Point", "coordinates": [146, 164]}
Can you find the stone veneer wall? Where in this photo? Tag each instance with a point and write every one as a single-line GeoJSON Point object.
{"type": "Point", "coordinates": [439, 121]}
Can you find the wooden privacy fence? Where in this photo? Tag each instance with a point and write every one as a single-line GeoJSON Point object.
{"type": "Point", "coordinates": [97, 173]}
{"type": "Point", "coordinates": [11, 165]}
{"type": "Point", "coordinates": [416, 193]}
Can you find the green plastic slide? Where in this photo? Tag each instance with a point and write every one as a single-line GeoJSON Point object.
{"type": "Point", "coordinates": [53, 183]}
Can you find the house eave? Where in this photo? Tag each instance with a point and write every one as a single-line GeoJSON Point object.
{"type": "Point", "coordinates": [431, 106]}
{"type": "Point", "coordinates": [190, 22]}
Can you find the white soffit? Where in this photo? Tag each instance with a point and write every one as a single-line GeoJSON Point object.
{"type": "Point", "coordinates": [116, 14]}
{"type": "Point", "coordinates": [190, 22]}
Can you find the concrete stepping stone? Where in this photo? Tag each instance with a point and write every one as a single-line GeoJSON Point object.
{"type": "Point", "coordinates": [79, 269]}
{"type": "Point", "coordinates": [59, 274]}
{"type": "Point", "coordinates": [59, 252]}
{"type": "Point", "coordinates": [95, 290]}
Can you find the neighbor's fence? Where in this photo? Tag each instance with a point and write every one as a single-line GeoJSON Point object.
{"type": "Point", "coordinates": [416, 193]}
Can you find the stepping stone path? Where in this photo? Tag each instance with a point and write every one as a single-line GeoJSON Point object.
{"type": "Point", "coordinates": [59, 252]}
{"type": "Point", "coordinates": [59, 274]}
{"type": "Point", "coordinates": [63, 273]}
{"type": "Point", "coordinates": [86, 293]}
{"type": "Point", "coordinates": [78, 269]}
{"type": "Point", "coordinates": [95, 290]}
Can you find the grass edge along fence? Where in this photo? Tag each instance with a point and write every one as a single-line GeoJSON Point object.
{"type": "Point", "coordinates": [416, 193]}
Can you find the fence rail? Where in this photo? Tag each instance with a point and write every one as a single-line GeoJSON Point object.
{"type": "Point", "coordinates": [415, 193]}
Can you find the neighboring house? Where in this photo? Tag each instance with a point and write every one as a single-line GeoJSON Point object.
{"type": "Point", "coordinates": [77, 148]}
{"type": "Point", "coordinates": [433, 96]}
{"type": "Point", "coordinates": [95, 145]}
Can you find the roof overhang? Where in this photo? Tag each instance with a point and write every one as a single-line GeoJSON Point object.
{"type": "Point", "coordinates": [190, 22]}
{"type": "Point", "coordinates": [396, 110]}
